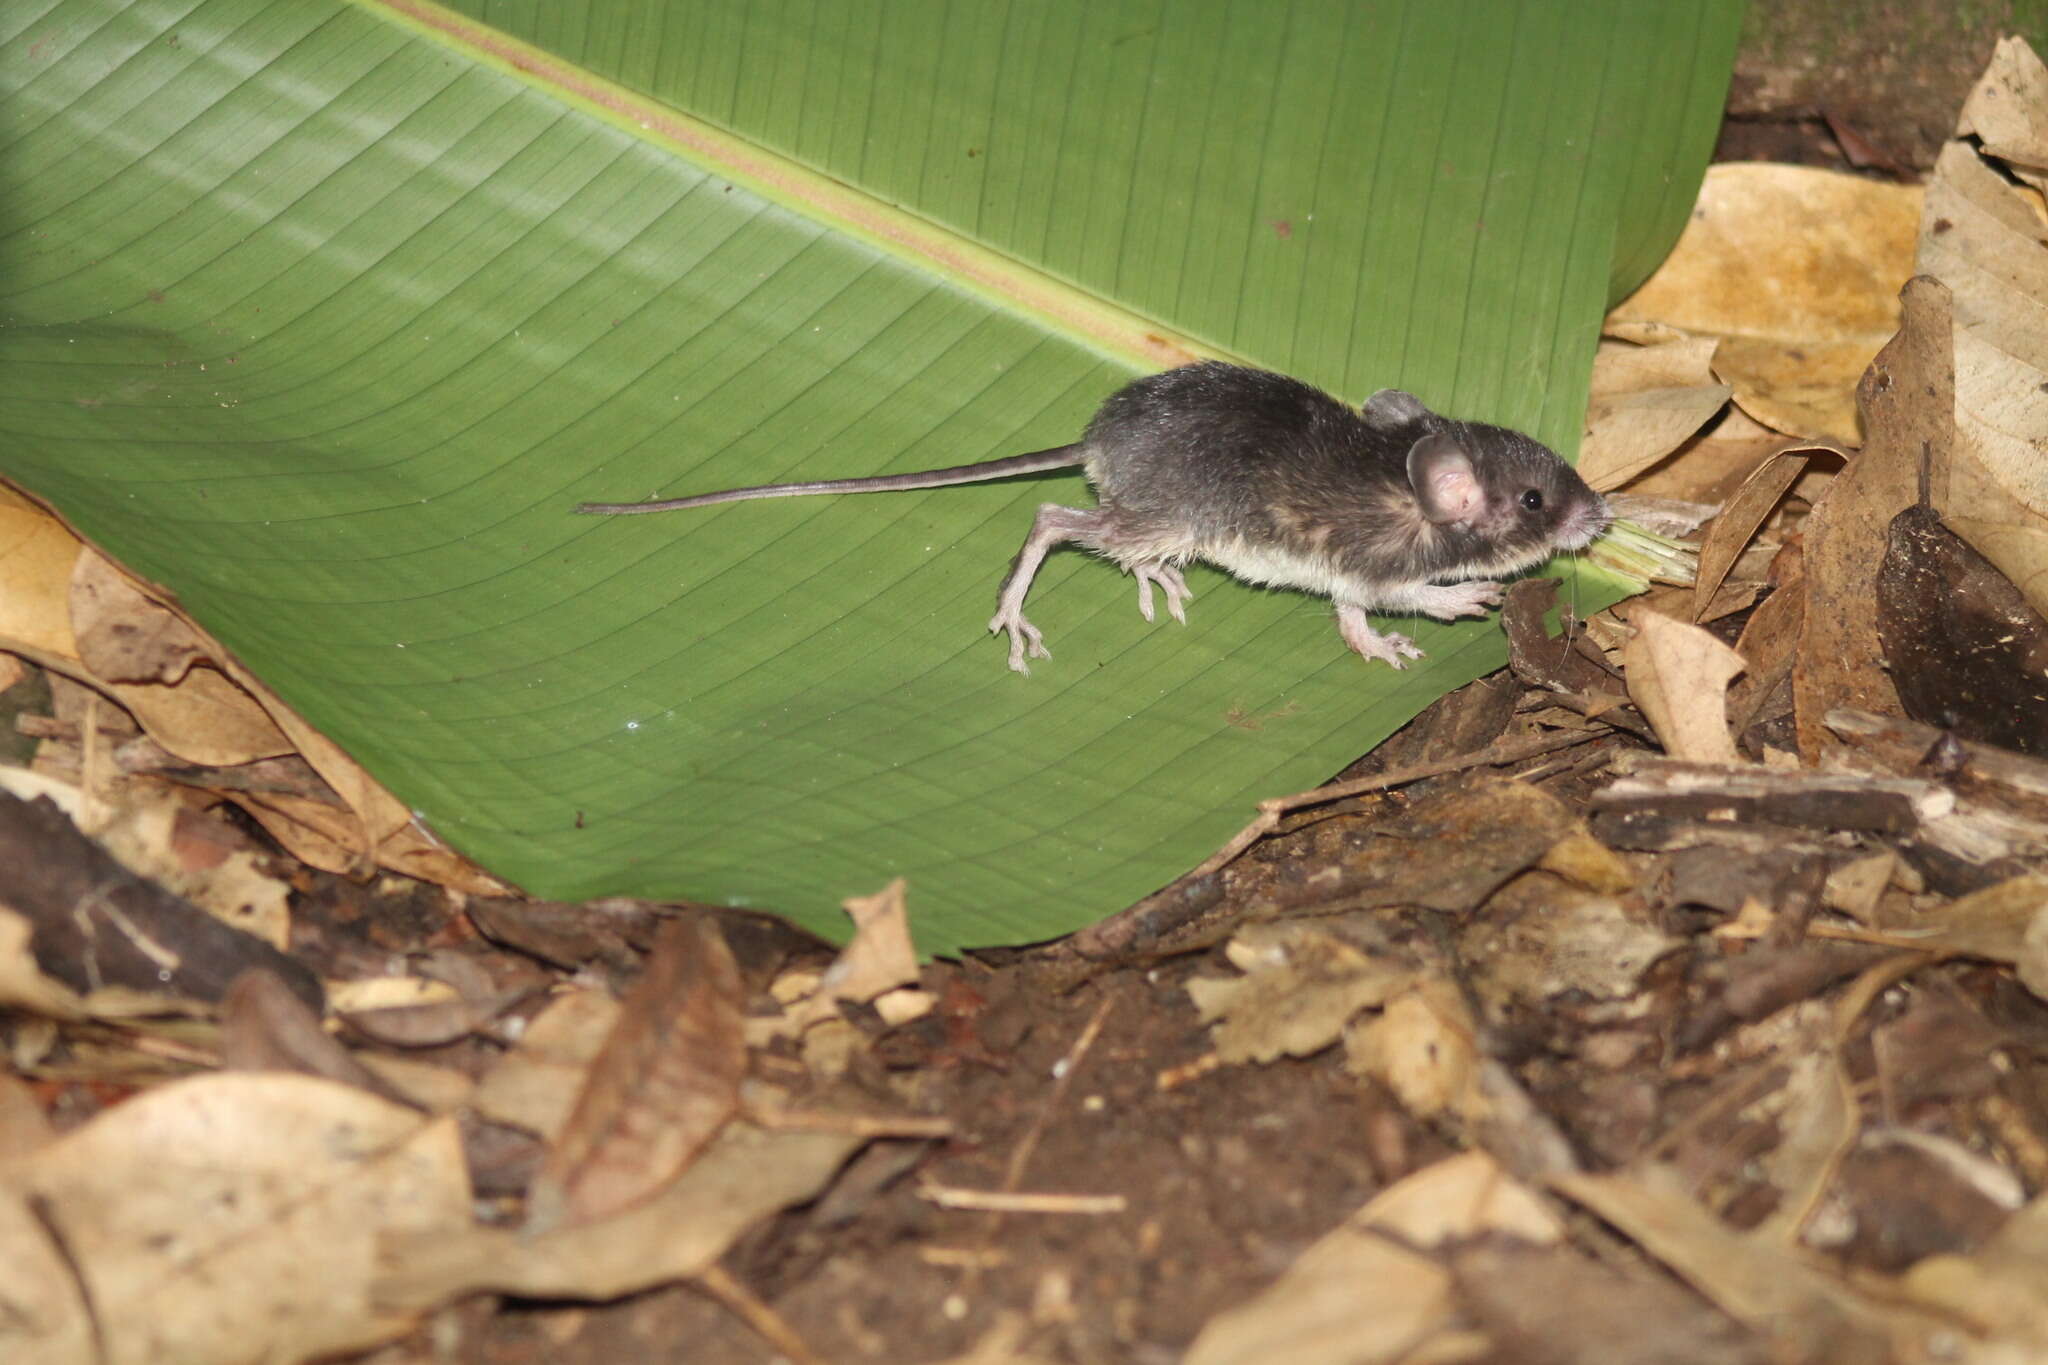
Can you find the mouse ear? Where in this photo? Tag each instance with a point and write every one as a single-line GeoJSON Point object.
{"type": "Point", "coordinates": [1444, 481]}
{"type": "Point", "coordinates": [1395, 408]}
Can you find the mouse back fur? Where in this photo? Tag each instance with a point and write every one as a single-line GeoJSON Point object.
{"type": "Point", "coordinates": [1278, 482]}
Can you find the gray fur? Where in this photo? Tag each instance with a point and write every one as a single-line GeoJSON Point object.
{"type": "Point", "coordinates": [1393, 507]}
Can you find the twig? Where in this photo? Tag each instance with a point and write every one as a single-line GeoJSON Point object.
{"type": "Point", "coordinates": [766, 1322]}
{"type": "Point", "coordinates": [859, 1125]}
{"type": "Point", "coordinates": [171, 1049]}
{"type": "Point", "coordinates": [1273, 808]}
{"type": "Point", "coordinates": [1013, 1201]}
{"type": "Point", "coordinates": [1173, 1078]}
{"type": "Point", "coordinates": [1013, 1174]}
{"type": "Point", "coordinates": [1020, 1158]}
{"type": "Point", "coordinates": [962, 1258]}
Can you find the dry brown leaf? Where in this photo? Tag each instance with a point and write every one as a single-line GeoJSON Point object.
{"type": "Point", "coordinates": [36, 559]}
{"type": "Point", "coordinates": [1459, 1198]}
{"type": "Point", "coordinates": [1301, 985]}
{"type": "Point", "coordinates": [2007, 110]}
{"type": "Point", "coordinates": [1997, 496]}
{"type": "Point", "coordinates": [194, 712]}
{"type": "Point", "coordinates": [1646, 401]}
{"type": "Point", "coordinates": [1710, 467]}
{"type": "Point", "coordinates": [1678, 675]}
{"type": "Point", "coordinates": [387, 993]}
{"type": "Point", "coordinates": [1643, 406]}
{"type": "Point", "coordinates": [435, 1089]}
{"type": "Point", "coordinates": [238, 889]}
{"type": "Point", "coordinates": [1732, 531]}
{"type": "Point", "coordinates": [1758, 1280]}
{"type": "Point", "coordinates": [2005, 922]}
{"type": "Point", "coordinates": [1449, 849]}
{"type": "Point", "coordinates": [338, 838]}
{"type": "Point", "coordinates": [666, 1081]}
{"type": "Point", "coordinates": [898, 1007]}
{"type": "Point", "coordinates": [1368, 1292]}
{"type": "Point", "coordinates": [468, 999]}
{"type": "Point", "coordinates": [42, 1316]}
{"type": "Point", "coordinates": [745, 1175]}
{"type": "Point", "coordinates": [1835, 249]}
{"type": "Point", "coordinates": [1984, 240]}
{"type": "Point", "coordinates": [1424, 1048]}
{"type": "Point", "coordinates": [264, 1027]}
{"type": "Point", "coordinates": [1964, 649]}
{"type": "Point", "coordinates": [534, 1086]}
{"type": "Point", "coordinates": [1584, 861]}
{"type": "Point", "coordinates": [1908, 399]}
{"type": "Point", "coordinates": [223, 1218]}
{"type": "Point", "coordinates": [1770, 641]}
{"type": "Point", "coordinates": [126, 636]}
{"type": "Point", "coordinates": [1855, 887]}
{"type": "Point", "coordinates": [1561, 1305]}
{"type": "Point", "coordinates": [1542, 938]}
{"type": "Point", "coordinates": [880, 957]}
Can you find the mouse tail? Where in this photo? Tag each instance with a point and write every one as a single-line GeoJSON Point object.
{"type": "Point", "coordinates": [1038, 461]}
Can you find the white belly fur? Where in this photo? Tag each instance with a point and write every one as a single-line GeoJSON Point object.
{"type": "Point", "coordinates": [1272, 567]}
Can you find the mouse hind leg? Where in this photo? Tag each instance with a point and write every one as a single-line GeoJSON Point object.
{"type": "Point", "coordinates": [1105, 530]}
{"type": "Point", "coordinates": [1055, 525]}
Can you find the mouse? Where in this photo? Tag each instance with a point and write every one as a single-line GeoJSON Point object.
{"type": "Point", "coordinates": [1388, 507]}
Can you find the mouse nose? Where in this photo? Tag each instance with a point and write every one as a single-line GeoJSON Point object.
{"type": "Point", "coordinates": [1586, 523]}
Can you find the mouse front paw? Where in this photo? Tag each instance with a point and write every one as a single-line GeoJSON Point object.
{"type": "Point", "coordinates": [1024, 639]}
{"type": "Point", "coordinates": [1449, 601]}
{"type": "Point", "coordinates": [1170, 582]}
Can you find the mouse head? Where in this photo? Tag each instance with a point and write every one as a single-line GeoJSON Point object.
{"type": "Point", "coordinates": [1504, 499]}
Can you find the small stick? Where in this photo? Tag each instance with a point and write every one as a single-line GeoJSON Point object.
{"type": "Point", "coordinates": [766, 1322]}
{"type": "Point", "coordinates": [1013, 1174]}
{"type": "Point", "coordinates": [1271, 809]}
{"type": "Point", "coordinates": [1013, 1201]}
{"type": "Point", "coordinates": [1027, 1147]}
{"type": "Point", "coordinates": [959, 1258]}
{"type": "Point", "coordinates": [858, 1125]}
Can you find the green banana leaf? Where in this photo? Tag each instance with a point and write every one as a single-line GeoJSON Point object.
{"type": "Point", "coordinates": [327, 315]}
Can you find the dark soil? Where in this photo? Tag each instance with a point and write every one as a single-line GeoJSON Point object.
{"type": "Point", "coordinates": [1862, 84]}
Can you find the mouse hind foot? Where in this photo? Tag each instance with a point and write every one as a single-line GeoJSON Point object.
{"type": "Point", "coordinates": [1367, 643]}
{"type": "Point", "coordinates": [1025, 639]}
{"type": "Point", "coordinates": [1167, 576]}
{"type": "Point", "coordinates": [1054, 525]}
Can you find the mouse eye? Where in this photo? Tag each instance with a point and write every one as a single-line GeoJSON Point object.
{"type": "Point", "coordinates": [1532, 500]}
